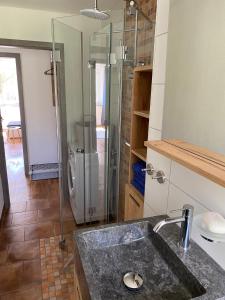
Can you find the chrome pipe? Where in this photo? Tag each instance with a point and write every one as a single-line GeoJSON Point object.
{"type": "Point", "coordinates": [136, 38]}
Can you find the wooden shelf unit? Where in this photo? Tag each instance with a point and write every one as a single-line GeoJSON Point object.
{"type": "Point", "coordinates": [140, 109]}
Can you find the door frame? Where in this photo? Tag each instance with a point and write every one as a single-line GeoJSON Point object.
{"type": "Point", "coordinates": [39, 45]}
{"type": "Point", "coordinates": [17, 58]}
{"type": "Point", "coordinates": [3, 174]}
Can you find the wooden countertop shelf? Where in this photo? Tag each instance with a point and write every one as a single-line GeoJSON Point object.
{"type": "Point", "coordinates": [142, 113]}
{"type": "Point", "coordinates": [200, 160]}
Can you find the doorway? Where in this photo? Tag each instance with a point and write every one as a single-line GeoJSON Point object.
{"type": "Point", "coordinates": [26, 94]}
{"type": "Point", "coordinates": [13, 119]}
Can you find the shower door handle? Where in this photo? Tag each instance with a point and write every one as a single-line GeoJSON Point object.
{"type": "Point", "coordinates": [71, 178]}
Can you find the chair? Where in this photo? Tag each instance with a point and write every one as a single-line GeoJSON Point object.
{"type": "Point", "coordinates": [14, 126]}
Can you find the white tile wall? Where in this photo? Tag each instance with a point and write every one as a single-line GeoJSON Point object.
{"type": "Point", "coordinates": [159, 70]}
{"type": "Point", "coordinates": [159, 64]}
{"type": "Point", "coordinates": [215, 250]}
{"type": "Point", "coordinates": [156, 109]}
{"type": "Point", "coordinates": [211, 195]}
{"type": "Point", "coordinates": [162, 16]}
{"type": "Point", "coordinates": [156, 194]}
{"type": "Point", "coordinates": [177, 198]}
{"type": "Point", "coordinates": [148, 211]}
{"type": "Point", "coordinates": [183, 186]}
{"type": "Point", "coordinates": [154, 134]}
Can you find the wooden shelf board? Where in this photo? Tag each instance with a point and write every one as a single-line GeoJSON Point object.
{"type": "Point", "coordinates": [146, 68]}
{"type": "Point", "coordinates": [140, 153]}
{"type": "Point", "coordinates": [135, 191]}
{"type": "Point", "coordinates": [202, 165]}
{"type": "Point", "coordinates": [142, 113]}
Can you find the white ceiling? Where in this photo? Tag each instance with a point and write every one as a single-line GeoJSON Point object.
{"type": "Point", "coordinates": [67, 6]}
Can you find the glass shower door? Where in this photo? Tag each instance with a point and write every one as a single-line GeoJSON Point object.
{"type": "Point", "coordinates": [97, 109]}
{"type": "Point", "coordinates": [88, 106]}
{"type": "Point", "coordinates": [68, 70]}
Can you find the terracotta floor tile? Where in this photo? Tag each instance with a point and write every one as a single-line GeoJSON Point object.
{"type": "Point", "coordinates": [34, 293]}
{"type": "Point", "coordinates": [38, 204]}
{"type": "Point", "coordinates": [23, 251]}
{"type": "Point", "coordinates": [3, 256]}
{"type": "Point", "coordinates": [27, 266]}
{"type": "Point", "coordinates": [67, 212]}
{"type": "Point", "coordinates": [48, 214]}
{"type": "Point", "coordinates": [16, 207]}
{"type": "Point", "coordinates": [32, 272]}
{"type": "Point", "coordinates": [18, 194]}
{"type": "Point", "coordinates": [12, 234]}
{"type": "Point", "coordinates": [38, 231]}
{"type": "Point", "coordinates": [10, 277]}
{"type": "Point", "coordinates": [3, 246]}
{"type": "Point", "coordinates": [39, 189]}
{"type": "Point", "coordinates": [18, 276]}
{"type": "Point", "coordinates": [6, 220]}
{"type": "Point", "coordinates": [69, 226]}
{"type": "Point", "coordinates": [57, 228]}
{"type": "Point", "coordinates": [27, 217]}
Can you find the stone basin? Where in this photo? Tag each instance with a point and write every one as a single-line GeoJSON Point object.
{"type": "Point", "coordinates": [109, 252]}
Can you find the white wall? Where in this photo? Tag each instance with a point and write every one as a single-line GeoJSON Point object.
{"type": "Point", "coordinates": [194, 95]}
{"type": "Point", "coordinates": [182, 185]}
{"type": "Point", "coordinates": [26, 24]}
{"type": "Point", "coordinates": [38, 102]}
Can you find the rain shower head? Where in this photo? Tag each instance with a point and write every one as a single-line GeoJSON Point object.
{"type": "Point", "coordinates": [94, 13]}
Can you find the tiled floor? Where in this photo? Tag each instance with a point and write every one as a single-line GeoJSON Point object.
{"type": "Point", "coordinates": [56, 284]}
{"type": "Point", "coordinates": [26, 229]}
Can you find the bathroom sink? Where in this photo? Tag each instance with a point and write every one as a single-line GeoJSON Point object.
{"type": "Point", "coordinates": [110, 252]}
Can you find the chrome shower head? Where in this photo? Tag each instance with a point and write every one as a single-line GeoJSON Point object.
{"type": "Point", "coordinates": [94, 13]}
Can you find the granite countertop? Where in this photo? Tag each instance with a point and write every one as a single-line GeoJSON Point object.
{"type": "Point", "coordinates": [164, 265]}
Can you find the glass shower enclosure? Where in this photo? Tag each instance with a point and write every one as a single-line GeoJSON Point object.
{"type": "Point", "coordinates": [88, 72]}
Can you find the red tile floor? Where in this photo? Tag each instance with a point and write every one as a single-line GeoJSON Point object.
{"type": "Point", "coordinates": [30, 259]}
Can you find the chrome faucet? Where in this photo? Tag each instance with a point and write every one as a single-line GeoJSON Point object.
{"type": "Point", "coordinates": [186, 222]}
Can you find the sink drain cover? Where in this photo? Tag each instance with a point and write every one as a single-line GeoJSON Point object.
{"type": "Point", "coordinates": [133, 281]}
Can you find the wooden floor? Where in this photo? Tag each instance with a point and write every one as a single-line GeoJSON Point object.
{"type": "Point", "coordinates": [33, 216]}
